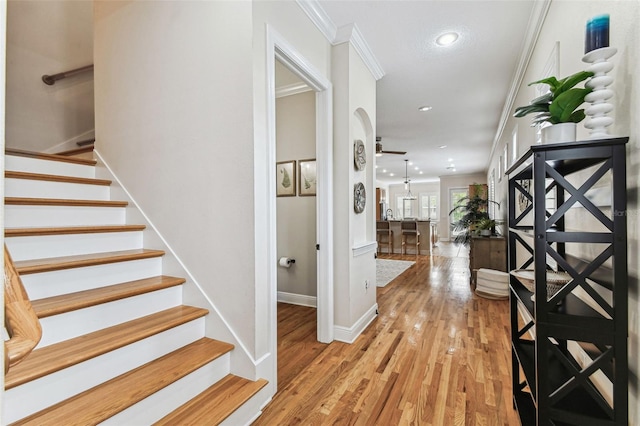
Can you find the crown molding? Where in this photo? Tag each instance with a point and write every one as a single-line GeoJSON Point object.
{"type": "Point", "coordinates": [319, 17]}
{"type": "Point", "coordinates": [534, 27]}
{"type": "Point", "coordinates": [292, 89]}
{"type": "Point", "coordinates": [351, 33]}
{"type": "Point", "coordinates": [346, 33]}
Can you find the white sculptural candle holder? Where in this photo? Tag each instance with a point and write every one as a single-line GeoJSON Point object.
{"type": "Point", "coordinates": [597, 120]}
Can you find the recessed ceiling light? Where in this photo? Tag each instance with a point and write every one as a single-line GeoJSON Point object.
{"type": "Point", "coordinates": [450, 160]}
{"type": "Point", "coordinates": [446, 39]}
{"type": "Point", "coordinates": [391, 174]}
{"type": "Point", "coordinates": [420, 171]}
{"type": "Point", "coordinates": [425, 108]}
{"type": "Point", "coordinates": [442, 146]}
{"type": "Point", "coordinates": [384, 170]}
{"type": "Point", "coordinates": [416, 168]}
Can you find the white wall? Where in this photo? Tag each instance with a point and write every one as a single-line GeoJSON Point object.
{"type": "Point", "coordinates": [173, 90]}
{"type": "Point", "coordinates": [3, 20]}
{"type": "Point", "coordinates": [396, 190]}
{"type": "Point", "coordinates": [624, 16]}
{"type": "Point", "coordinates": [354, 118]}
{"type": "Point", "coordinates": [48, 37]}
{"type": "Point", "coordinates": [447, 183]}
{"type": "Point", "coordinates": [295, 133]}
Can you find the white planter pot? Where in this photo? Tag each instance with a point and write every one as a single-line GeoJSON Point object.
{"type": "Point", "coordinates": [556, 133]}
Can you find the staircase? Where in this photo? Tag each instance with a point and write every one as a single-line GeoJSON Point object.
{"type": "Point", "coordinates": [118, 346]}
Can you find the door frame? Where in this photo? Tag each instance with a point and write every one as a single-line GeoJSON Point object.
{"type": "Point", "coordinates": [279, 48]}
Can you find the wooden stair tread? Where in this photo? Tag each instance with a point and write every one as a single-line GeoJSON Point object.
{"type": "Point", "coordinates": [83, 299]}
{"type": "Point", "coordinates": [70, 230]}
{"type": "Point", "coordinates": [215, 404]}
{"type": "Point", "coordinates": [80, 150]}
{"type": "Point", "coordinates": [51, 157]}
{"type": "Point", "coordinates": [58, 356]}
{"type": "Point", "coordinates": [103, 401]}
{"type": "Point", "coordinates": [23, 201]}
{"type": "Point", "coordinates": [67, 262]}
{"type": "Point", "coordinates": [9, 174]}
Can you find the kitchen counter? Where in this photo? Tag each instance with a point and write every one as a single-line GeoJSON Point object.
{"type": "Point", "coordinates": [424, 226]}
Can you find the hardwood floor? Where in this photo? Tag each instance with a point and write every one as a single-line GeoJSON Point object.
{"type": "Point", "coordinates": [436, 355]}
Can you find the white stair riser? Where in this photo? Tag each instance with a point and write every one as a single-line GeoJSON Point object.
{"type": "Point", "coordinates": [53, 388]}
{"type": "Point", "coordinates": [248, 412]}
{"type": "Point", "coordinates": [34, 165]}
{"type": "Point", "coordinates": [41, 247]}
{"type": "Point", "coordinates": [83, 321]}
{"type": "Point", "coordinates": [161, 403]}
{"type": "Point", "coordinates": [54, 283]}
{"type": "Point", "coordinates": [46, 189]}
{"type": "Point", "coordinates": [42, 216]}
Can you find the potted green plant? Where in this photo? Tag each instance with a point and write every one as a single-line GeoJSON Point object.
{"type": "Point", "coordinates": [474, 211]}
{"type": "Point", "coordinates": [559, 106]}
{"type": "Point", "coordinates": [486, 226]}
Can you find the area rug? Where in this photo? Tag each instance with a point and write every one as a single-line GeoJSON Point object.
{"type": "Point", "coordinates": [387, 270]}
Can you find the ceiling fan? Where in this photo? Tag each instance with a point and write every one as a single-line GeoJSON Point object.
{"type": "Point", "coordinates": [380, 151]}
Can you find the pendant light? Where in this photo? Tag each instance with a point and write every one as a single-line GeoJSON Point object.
{"type": "Point", "coordinates": [407, 183]}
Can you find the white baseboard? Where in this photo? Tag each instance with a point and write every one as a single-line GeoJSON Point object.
{"type": "Point", "coordinates": [70, 144]}
{"type": "Point", "coordinates": [349, 335]}
{"type": "Point", "coordinates": [297, 299]}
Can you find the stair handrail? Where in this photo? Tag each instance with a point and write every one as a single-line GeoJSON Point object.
{"type": "Point", "coordinates": [21, 322]}
{"type": "Point", "coordinates": [51, 79]}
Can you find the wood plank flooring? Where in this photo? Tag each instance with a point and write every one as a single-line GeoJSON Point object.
{"type": "Point", "coordinates": [436, 355]}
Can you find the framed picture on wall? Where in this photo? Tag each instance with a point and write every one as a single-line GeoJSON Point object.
{"type": "Point", "coordinates": [286, 178]}
{"type": "Point", "coordinates": [308, 178]}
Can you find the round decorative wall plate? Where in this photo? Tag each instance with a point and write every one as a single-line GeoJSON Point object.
{"type": "Point", "coordinates": [359, 197]}
{"type": "Point", "coordinates": [359, 155]}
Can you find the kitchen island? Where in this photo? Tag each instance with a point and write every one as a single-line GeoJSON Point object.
{"type": "Point", "coordinates": [424, 227]}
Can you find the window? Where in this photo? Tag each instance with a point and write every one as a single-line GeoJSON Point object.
{"type": "Point", "coordinates": [456, 197]}
{"type": "Point", "coordinates": [492, 194]}
{"type": "Point", "coordinates": [505, 159]}
{"type": "Point", "coordinates": [514, 145]}
{"type": "Point", "coordinates": [429, 206]}
{"type": "Point", "coordinates": [404, 208]}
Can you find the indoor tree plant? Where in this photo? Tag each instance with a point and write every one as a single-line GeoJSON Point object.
{"type": "Point", "coordinates": [474, 211]}
{"type": "Point", "coordinates": [560, 104]}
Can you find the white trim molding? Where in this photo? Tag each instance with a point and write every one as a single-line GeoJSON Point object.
{"type": "Point", "coordinates": [351, 33]}
{"type": "Point", "coordinates": [364, 248]}
{"type": "Point", "coordinates": [319, 17]}
{"type": "Point", "coordinates": [534, 27]}
{"type": "Point", "coordinates": [349, 335]}
{"type": "Point", "coordinates": [297, 299]}
{"type": "Point", "coordinates": [292, 89]}
{"type": "Point", "coordinates": [346, 33]}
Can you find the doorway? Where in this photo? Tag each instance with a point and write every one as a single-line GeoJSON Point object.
{"type": "Point", "coordinates": [296, 187]}
{"type": "Point", "coordinates": [278, 49]}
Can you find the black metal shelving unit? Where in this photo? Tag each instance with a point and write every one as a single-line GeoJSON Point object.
{"type": "Point", "coordinates": [569, 350]}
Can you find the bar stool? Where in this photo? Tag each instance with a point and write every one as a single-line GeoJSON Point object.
{"type": "Point", "coordinates": [434, 233]}
{"type": "Point", "coordinates": [409, 229]}
{"type": "Point", "coordinates": [384, 235]}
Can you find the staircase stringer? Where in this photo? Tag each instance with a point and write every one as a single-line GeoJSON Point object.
{"type": "Point", "coordinates": [243, 364]}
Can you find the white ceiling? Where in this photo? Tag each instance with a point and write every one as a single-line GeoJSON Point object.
{"type": "Point", "coordinates": [466, 83]}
